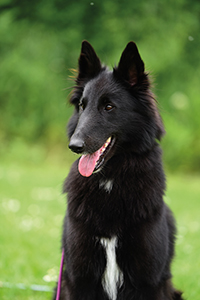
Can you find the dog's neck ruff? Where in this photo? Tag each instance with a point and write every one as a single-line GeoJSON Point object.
{"type": "Point", "coordinates": [60, 277]}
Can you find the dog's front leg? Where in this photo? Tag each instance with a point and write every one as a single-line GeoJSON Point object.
{"type": "Point", "coordinates": [84, 288]}
{"type": "Point", "coordinates": [64, 290]}
{"type": "Point", "coordinates": [84, 264]}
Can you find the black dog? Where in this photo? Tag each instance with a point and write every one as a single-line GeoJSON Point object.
{"type": "Point", "coordinates": [119, 235]}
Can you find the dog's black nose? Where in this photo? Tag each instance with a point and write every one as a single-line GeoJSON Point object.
{"type": "Point", "coordinates": [76, 145]}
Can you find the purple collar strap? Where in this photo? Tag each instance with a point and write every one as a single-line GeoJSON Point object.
{"type": "Point", "coordinates": [60, 276]}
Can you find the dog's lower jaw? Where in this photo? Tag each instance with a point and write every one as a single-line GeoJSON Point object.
{"type": "Point", "coordinates": [105, 155]}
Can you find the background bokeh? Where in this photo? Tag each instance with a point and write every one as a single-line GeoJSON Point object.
{"type": "Point", "coordinates": [40, 43]}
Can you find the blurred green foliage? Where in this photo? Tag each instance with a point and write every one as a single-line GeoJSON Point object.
{"type": "Point", "coordinates": [40, 43]}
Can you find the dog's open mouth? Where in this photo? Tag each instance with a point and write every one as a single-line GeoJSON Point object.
{"type": "Point", "coordinates": [90, 163]}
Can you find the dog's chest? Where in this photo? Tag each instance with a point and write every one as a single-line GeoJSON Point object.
{"type": "Point", "coordinates": [106, 185]}
{"type": "Point", "coordinates": [112, 278]}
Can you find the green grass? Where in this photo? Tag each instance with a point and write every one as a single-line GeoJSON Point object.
{"type": "Point", "coordinates": [183, 196]}
{"type": "Point", "coordinates": [31, 213]}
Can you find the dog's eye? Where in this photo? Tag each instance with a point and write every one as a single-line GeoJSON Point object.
{"type": "Point", "coordinates": [81, 106]}
{"type": "Point", "coordinates": [109, 107]}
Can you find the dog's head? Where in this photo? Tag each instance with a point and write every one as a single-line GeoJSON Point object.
{"type": "Point", "coordinates": [114, 110]}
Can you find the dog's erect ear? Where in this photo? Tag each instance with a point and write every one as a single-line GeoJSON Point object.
{"type": "Point", "coordinates": [130, 66]}
{"type": "Point", "coordinates": [89, 63]}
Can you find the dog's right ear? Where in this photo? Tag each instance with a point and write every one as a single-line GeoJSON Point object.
{"type": "Point", "coordinates": [89, 63]}
{"type": "Point", "coordinates": [131, 66]}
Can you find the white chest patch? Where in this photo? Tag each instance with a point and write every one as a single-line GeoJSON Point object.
{"type": "Point", "coordinates": [113, 277]}
{"type": "Point", "coordinates": [106, 184]}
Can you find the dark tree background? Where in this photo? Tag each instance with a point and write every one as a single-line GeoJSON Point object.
{"type": "Point", "coordinates": [40, 42]}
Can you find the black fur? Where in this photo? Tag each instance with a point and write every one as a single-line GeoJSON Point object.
{"type": "Point", "coordinates": [117, 103]}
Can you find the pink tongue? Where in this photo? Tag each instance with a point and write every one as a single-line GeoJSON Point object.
{"type": "Point", "coordinates": [87, 163]}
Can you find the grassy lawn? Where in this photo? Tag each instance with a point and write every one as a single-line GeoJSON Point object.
{"type": "Point", "coordinates": [31, 213]}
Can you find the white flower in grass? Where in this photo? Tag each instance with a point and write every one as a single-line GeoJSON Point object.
{"type": "Point", "coordinates": [52, 275]}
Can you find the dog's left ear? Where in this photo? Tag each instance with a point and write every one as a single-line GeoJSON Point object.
{"type": "Point", "coordinates": [130, 66]}
{"type": "Point", "coordinates": [89, 63]}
